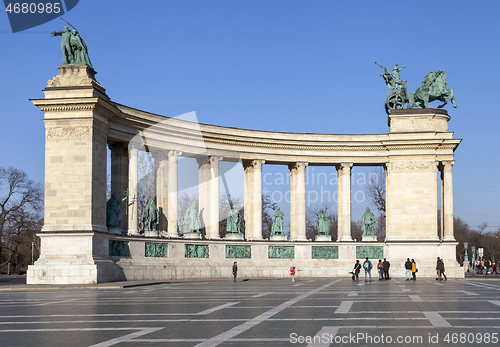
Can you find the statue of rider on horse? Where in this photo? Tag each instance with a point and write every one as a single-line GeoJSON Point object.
{"type": "Point", "coordinates": [433, 88]}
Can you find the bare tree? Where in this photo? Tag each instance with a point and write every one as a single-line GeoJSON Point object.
{"type": "Point", "coordinates": [20, 211]}
{"type": "Point", "coordinates": [375, 188]}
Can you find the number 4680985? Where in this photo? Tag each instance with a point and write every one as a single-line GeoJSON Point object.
{"type": "Point", "coordinates": [33, 7]}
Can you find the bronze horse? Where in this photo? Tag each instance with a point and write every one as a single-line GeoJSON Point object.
{"type": "Point", "coordinates": [433, 88]}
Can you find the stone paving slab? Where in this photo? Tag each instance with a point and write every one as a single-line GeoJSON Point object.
{"type": "Point", "coordinates": [309, 312]}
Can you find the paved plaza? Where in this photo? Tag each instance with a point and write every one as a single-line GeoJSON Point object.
{"type": "Point", "coordinates": [309, 312]}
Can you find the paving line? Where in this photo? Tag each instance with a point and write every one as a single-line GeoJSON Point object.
{"type": "Point", "coordinates": [415, 298]}
{"type": "Point", "coordinates": [353, 293]}
{"type": "Point", "coordinates": [361, 284]}
{"type": "Point", "coordinates": [221, 338]}
{"type": "Point", "coordinates": [436, 319]}
{"type": "Point", "coordinates": [56, 302]}
{"type": "Point", "coordinates": [217, 308]}
{"type": "Point", "coordinates": [261, 294]}
{"type": "Point", "coordinates": [344, 307]}
{"type": "Point", "coordinates": [406, 290]}
{"type": "Point", "coordinates": [126, 338]}
{"type": "Point", "coordinates": [495, 302]}
{"type": "Point", "coordinates": [324, 331]}
{"type": "Point", "coordinates": [296, 285]}
{"type": "Point", "coordinates": [467, 292]}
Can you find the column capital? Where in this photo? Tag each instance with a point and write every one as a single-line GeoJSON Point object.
{"type": "Point", "coordinates": [202, 161]}
{"type": "Point", "coordinates": [246, 164]}
{"type": "Point", "coordinates": [299, 165]}
{"type": "Point", "coordinates": [343, 166]}
{"type": "Point", "coordinates": [257, 163]}
{"type": "Point", "coordinates": [448, 163]}
{"type": "Point", "coordinates": [215, 159]}
{"type": "Point", "coordinates": [173, 154]}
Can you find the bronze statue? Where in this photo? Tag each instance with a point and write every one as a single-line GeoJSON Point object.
{"type": "Point", "coordinates": [398, 97]}
{"type": "Point", "coordinates": [433, 88]}
{"type": "Point", "coordinates": [113, 212]}
{"type": "Point", "coordinates": [323, 223]}
{"type": "Point", "coordinates": [151, 216]}
{"type": "Point", "coordinates": [277, 227]}
{"type": "Point", "coordinates": [74, 49]}
{"type": "Point", "coordinates": [233, 221]}
{"type": "Point", "coordinates": [368, 224]}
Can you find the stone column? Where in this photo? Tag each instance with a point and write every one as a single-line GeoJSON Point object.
{"type": "Point", "coordinates": [132, 192]}
{"type": "Point", "coordinates": [298, 201]}
{"type": "Point", "coordinates": [293, 201]}
{"type": "Point", "coordinates": [441, 201]}
{"type": "Point", "coordinates": [213, 227]}
{"type": "Point", "coordinates": [248, 198]}
{"type": "Point", "coordinates": [448, 200]}
{"type": "Point", "coordinates": [172, 193]}
{"type": "Point", "coordinates": [162, 190]}
{"type": "Point", "coordinates": [344, 201]}
{"type": "Point", "coordinates": [204, 191]}
{"type": "Point", "coordinates": [257, 199]}
{"type": "Point", "coordinates": [119, 178]}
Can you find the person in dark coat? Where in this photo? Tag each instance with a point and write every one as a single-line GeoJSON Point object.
{"type": "Point", "coordinates": [408, 269]}
{"type": "Point", "coordinates": [387, 265]}
{"type": "Point", "coordinates": [356, 270]}
{"type": "Point", "coordinates": [439, 268]}
{"type": "Point", "coordinates": [235, 270]}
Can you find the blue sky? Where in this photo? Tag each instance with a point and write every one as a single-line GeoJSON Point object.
{"type": "Point", "coordinates": [292, 66]}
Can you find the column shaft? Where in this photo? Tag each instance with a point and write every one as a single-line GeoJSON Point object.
{"type": "Point", "coordinates": [132, 193]}
{"type": "Point", "coordinates": [257, 199]}
{"type": "Point", "coordinates": [301, 201]}
{"type": "Point", "coordinates": [172, 194]}
{"type": "Point", "coordinates": [293, 201]}
{"type": "Point", "coordinates": [213, 227]}
{"type": "Point", "coordinates": [448, 200]}
{"type": "Point", "coordinates": [204, 192]}
{"type": "Point", "coordinates": [162, 191]}
{"type": "Point", "coordinates": [344, 203]}
{"type": "Point", "coordinates": [248, 198]}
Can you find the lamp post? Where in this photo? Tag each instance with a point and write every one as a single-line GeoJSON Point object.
{"type": "Point", "coordinates": [492, 249]}
{"type": "Point", "coordinates": [466, 256]}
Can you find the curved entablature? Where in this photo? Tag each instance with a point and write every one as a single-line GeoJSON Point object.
{"type": "Point", "coordinates": [276, 147]}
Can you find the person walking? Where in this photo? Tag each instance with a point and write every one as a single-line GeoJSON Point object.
{"type": "Point", "coordinates": [414, 269]}
{"type": "Point", "coordinates": [380, 268]}
{"type": "Point", "coordinates": [387, 265]}
{"type": "Point", "coordinates": [292, 273]}
{"type": "Point", "coordinates": [355, 271]}
{"type": "Point", "coordinates": [408, 269]}
{"type": "Point", "coordinates": [442, 271]}
{"type": "Point", "coordinates": [439, 267]}
{"type": "Point", "coordinates": [235, 271]}
{"type": "Point", "coordinates": [367, 265]}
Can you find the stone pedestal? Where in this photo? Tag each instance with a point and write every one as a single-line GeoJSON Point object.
{"type": "Point", "coordinates": [192, 236]}
{"type": "Point", "coordinates": [369, 239]}
{"type": "Point", "coordinates": [418, 120]}
{"type": "Point", "coordinates": [152, 233]}
{"type": "Point", "coordinates": [277, 238]}
{"type": "Point", "coordinates": [323, 238]}
{"type": "Point", "coordinates": [234, 236]}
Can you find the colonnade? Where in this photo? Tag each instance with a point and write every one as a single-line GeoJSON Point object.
{"type": "Point", "coordinates": [124, 163]}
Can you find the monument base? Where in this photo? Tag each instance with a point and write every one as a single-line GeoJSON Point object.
{"type": "Point", "coordinates": [152, 233]}
{"type": "Point", "coordinates": [234, 236]}
{"type": "Point", "coordinates": [192, 236]}
{"type": "Point", "coordinates": [325, 238]}
{"type": "Point", "coordinates": [278, 238]}
{"type": "Point", "coordinates": [369, 239]}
